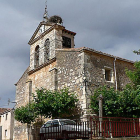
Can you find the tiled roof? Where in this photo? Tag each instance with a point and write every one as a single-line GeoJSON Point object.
{"type": "Point", "coordinates": [4, 110]}
{"type": "Point", "coordinates": [95, 51]}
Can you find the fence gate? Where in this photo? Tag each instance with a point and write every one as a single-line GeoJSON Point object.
{"type": "Point", "coordinates": [0, 132]}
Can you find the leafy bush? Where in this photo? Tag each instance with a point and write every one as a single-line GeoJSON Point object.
{"type": "Point", "coordinates": [48, 103]}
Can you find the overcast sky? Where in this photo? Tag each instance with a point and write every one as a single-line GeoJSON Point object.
{"type": "Point", "coordinates": [111, 26]}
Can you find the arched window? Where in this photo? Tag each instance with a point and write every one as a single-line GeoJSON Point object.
{"type": "Point", "coordinates": [47, 49]}
{"type": "Point", "coordinates": [37, 56]}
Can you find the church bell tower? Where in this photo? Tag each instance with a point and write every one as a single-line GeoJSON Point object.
{"type": "Point", "coordinates": [49, 36]}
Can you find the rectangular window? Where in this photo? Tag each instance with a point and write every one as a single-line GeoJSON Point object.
{"type": "Point", "coordinates": [66, 42]}
{"type": "Point", "coordinates": [108, 74]}
{"type": "Point", "coordinates": [5, 133]}
{"type": "Point", "coordinates": [6, 116]}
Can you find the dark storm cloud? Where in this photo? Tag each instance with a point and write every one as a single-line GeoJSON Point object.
{"type": "Point", "coordinates": [109, 25]}
{"type": "Point", "coordinates": [105, 25]}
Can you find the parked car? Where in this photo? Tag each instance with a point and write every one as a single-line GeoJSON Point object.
{"type": "Point", "coordinates": [65, 128]}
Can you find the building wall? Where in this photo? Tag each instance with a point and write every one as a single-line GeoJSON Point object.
{"type": "Point", "coordinates": [95, 65]}
{"type": "Point", "coordinates": [21, 95]}
{"type": "Point", "coordinates": [69, 69]}
{"type": "Point", "coordinates": [70, 72]}
{"type": "Point", "coordinates": [55, 38]}
{"type": "Point", "coordinates": [42, 29]}
{"type": "Point", "coordinates": [6, 123]}
{"type": "Point", "coordinates": [27, 85]}
{"type": "Point", "coordinates": [122, 79]}
{"type": "Point", "coordinates": [20, 131]}
{"type": "Point", "coordinates": [84, 71]}
{"type": "Point", "coordinates": [80, 70]}
{"type": "Point", "coordinates": [22, 98]}
{"type": "Point", "coordinates": [44, 78]}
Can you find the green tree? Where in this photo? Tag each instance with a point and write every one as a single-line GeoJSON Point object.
{"type": "Point", "coordinates": [55, 104]}
{"type": "Point", "coordinates": [110, 101]}
{"type": "Point", "coordinates": [129, 102]}
{"type": "Point", "coordinates": [25, 114]}
{"type": "Point", "coordinates": [134, 75]}
{"type": "Point", "coordinates": [47, 103]}
{"type": "Point", "coordinates": [136, 52]}
{"type": "Point", "coordinates": [124, 103]}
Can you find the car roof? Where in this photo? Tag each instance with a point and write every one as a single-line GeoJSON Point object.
{"type": "Point", "coordinates": [59, 120]}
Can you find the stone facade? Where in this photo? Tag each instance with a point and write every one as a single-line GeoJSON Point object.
{"type": "Point", "coordinates": [82, 70]}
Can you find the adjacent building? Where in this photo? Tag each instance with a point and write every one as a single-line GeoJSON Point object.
{"type": "Point", "coordinates": [6, 124]}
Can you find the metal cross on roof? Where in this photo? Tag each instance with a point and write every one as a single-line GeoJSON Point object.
{"type": "Point", "coordinates": [45, 16]}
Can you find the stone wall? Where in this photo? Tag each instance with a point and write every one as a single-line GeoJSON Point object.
{"type": "Point", "coordinates": [45, 78]}
{"type": "Point", "coordinates": [21, 95]}
{"type": "Point", "coordinates": [83, 71]}
{"type": "Point", "coordinates": [27, 84]}
{"type": "Point", "coordinates": [122, 79]}
{"type": "Point", "coordinates": [22, 98]}
{"type": "Point", "coordinates": [55, 38]}
{"type": "Point", "coordinates": [70, 71]}
{"type": "Point", "coordinates": [95, 65]}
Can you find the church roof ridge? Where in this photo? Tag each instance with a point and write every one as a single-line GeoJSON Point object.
{"type": "Point", "coordinates": [95, 51]}
{"type": "Point", "coordinates": [69, 32]}
{"type": "Point", "coordinates": [22, 75]}
{"type": "Point", "coordinates": [54, 25]}
{"type": "Point", "coordinates": [106, 54]}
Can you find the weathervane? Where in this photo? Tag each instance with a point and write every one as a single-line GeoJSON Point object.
{"type": "Point", "coordinates": [45, 16]}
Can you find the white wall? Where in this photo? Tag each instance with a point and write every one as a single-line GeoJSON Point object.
{"type": "Point", "coordinates": [6, 122]}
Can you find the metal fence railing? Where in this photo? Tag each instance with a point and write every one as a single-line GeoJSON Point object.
{"type": "Point", "coordinates": [80, 130]}
{"type": "Point", "coordinates": [107, 127]}
{"type": "Point", "coordinates": [114, 127]}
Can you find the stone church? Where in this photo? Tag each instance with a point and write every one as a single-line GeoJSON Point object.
{"type": "Point", "coordinates": [56, 63]}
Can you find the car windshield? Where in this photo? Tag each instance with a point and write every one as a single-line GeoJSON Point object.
{"type": "Point", "coordinates": [67, 122]}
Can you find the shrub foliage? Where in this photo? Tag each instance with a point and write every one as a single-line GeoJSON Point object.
{"type": "Point", "coordinates": [47, 103]}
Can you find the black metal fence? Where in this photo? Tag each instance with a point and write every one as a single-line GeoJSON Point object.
{"type": "Point", "coordinates": [79, 130]}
